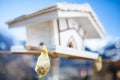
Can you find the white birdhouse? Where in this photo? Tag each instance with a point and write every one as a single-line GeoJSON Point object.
{"type": "Point", "coordinates": [62, 27]}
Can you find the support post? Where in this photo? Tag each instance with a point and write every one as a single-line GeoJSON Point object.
{"type": "Point", "coordinates": [54, 72]}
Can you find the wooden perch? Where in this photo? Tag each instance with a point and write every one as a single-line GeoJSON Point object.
{"type": "Point", "coordinates": [57, 51]}
{"type": "Point", "coordinates": [34, 48]}
{"type": "Point", "coordinates": [60, 51]}
{"type": "Point", "coordinates": [35, 53]}
{"type": "Point", "coordinates": [38, 49]}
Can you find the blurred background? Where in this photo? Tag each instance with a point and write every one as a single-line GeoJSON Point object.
{"type": "Point", "coordinates": [21, 67]}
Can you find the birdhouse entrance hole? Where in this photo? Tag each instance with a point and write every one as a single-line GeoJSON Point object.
{"type": "Point", "coordinates": [71, 43]}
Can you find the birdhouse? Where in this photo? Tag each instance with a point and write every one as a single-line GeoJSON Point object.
{"type": "Point", "coordinates": [62, 24]}
{"type": "Point", "coordinates": [62, 27]}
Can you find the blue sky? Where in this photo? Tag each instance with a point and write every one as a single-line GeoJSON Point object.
{"type": "Point", "coordinates": [108, 11]}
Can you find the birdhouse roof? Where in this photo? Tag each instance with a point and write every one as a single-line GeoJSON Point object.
{"type": "Point", "coordinates": [82, 12]}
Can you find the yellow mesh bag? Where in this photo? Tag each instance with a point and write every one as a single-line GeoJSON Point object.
{"type": "Point", "coordinates": [43, 63]}
{"type": "Point", "coordinates": [98, 64]}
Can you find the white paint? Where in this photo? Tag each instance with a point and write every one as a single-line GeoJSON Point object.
{"type": "Point", "coordinates": [70, 52]}
{"type": "Point", "coordinates": [73, 23]}
{"type": "Point", "coordinates": [39, 18]}
{"type": "Point", "coordinates": [82, 32]}
{"type": "Point", "coordinates": [39, 32]}
{"type": "Point", "coordinates": [69, 14]}
{"type": "Point", "coordinates": [89, 20]}
{"type": "Point", "coordinates": [66, 35]}
{"type": "Point", "coordinates": [17, 48]}
{"type": "Point", "coordinates": [54, 31]}
{"type": "Point", "coordinates": [62, 24]}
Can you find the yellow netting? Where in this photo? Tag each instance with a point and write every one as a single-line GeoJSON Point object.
{"type": "Point", "coordinates": [43, 63]}
{"type": "Point", "coordinates": [98, 64]}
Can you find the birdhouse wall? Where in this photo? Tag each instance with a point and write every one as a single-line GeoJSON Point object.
{"type": "Point", "coordinates": [63, 31]}
{"type": "Point", "coordinates": [71, 33]}
{"type": "Point", "coordinates": [41, 32]}
{"type": "Point", "coordinates": [73, 24]}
